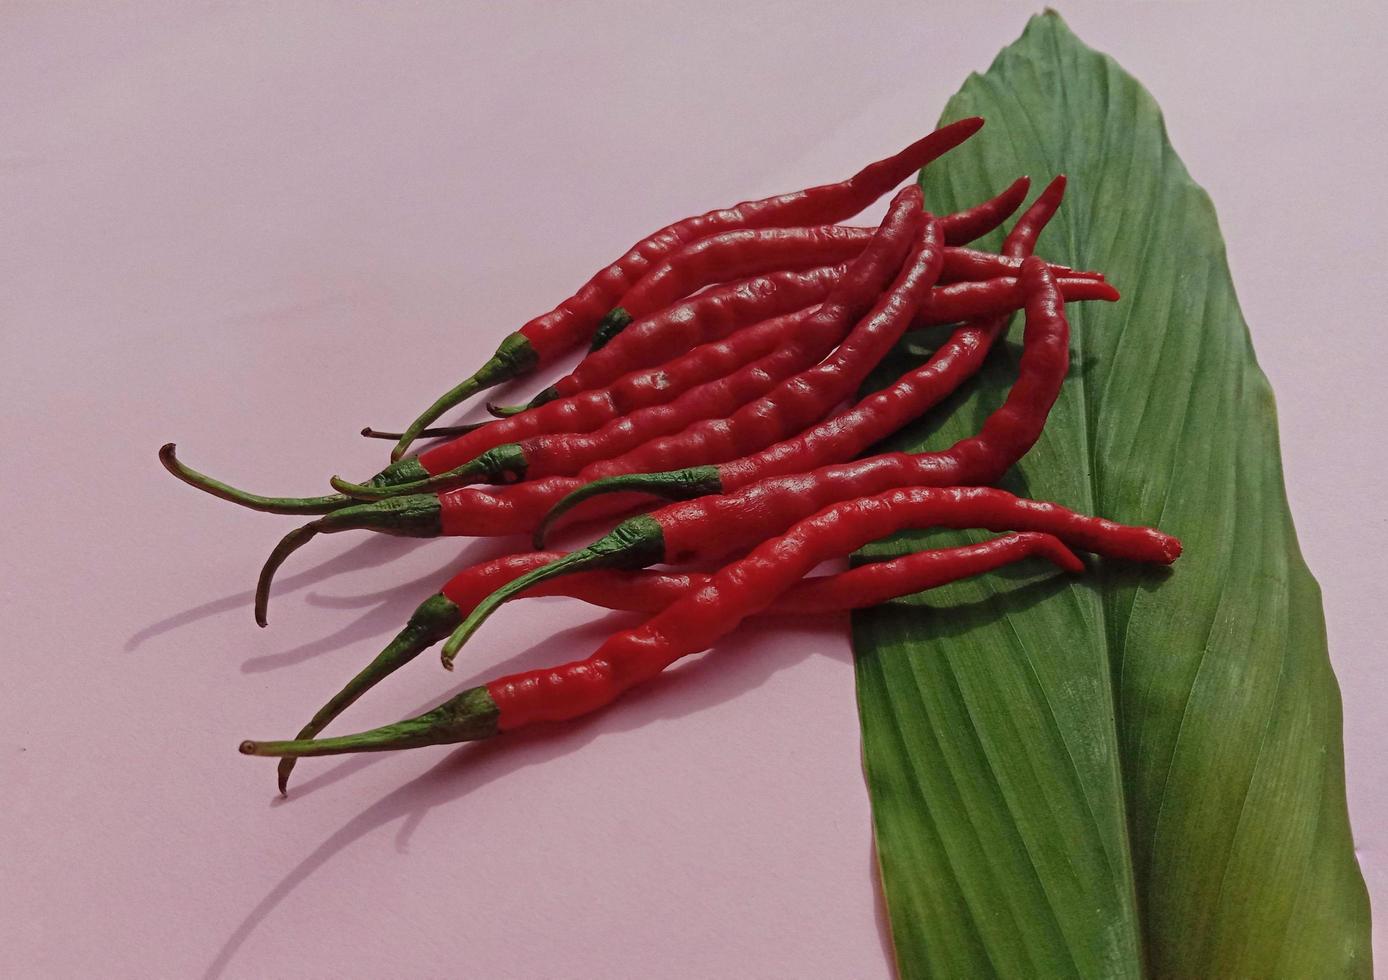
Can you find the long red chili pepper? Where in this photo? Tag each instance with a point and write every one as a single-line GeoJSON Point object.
{"type": "Point", "coordinates": [572, 322]}
{"type": "Point", "coordinates": [846, 302]}
{"type": "Point", "coordinates": [714, 526]}
{"type": "Point", "coordinates": [650, 592]}
{"type": "Point", "coordinates": [707, 336]}
{"type": "Point", "coordinates": [753, 251]}
{"type": "Point", "coordinates": [945, 304]}
{"type": "Point", "coordinates": [561, 454]}
{"type": "Point", "coordinates": [744, 588]}
{"type": "Point", "coordinates": [519, 509]}
{"type": "Point", "coordinates": [850, 432]}
{"type": "Point", "coordinates": [631, 349]}
{"type": "Point", "coordinates": [713, 315]}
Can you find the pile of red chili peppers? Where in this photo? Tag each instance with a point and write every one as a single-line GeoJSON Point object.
{"type": "Point", "coordinates": [725, 353]}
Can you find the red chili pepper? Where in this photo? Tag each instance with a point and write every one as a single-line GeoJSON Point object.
{"type": "Point", "coordinates": [958, 228]}
{"type": "Point", "coordinates": [572, 322]}
{"type": "Point", "coordinates": [417, 514]}
{"type": "Point", "coordinates": [650, 592]}
{"type": "Point", "coordinates": [520, 508]}
{"type": "Point", "coordinates": [699, 619]}
{"type": "Point", "coordinates": [753, 251]}
{"type": "Point", "coordinates": [560, 454]}
{"type": "Point", "coordinates": [850, 432]}
{"type": "Point", "coordinates": [715, 526]}
{"type": "Point", "coordinates": [652, 341]}
{"type": "Point", "coordinates": [706, 337]}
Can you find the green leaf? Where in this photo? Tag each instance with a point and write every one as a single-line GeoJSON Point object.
{"type": "Point", "coordinates": [1131, 772]}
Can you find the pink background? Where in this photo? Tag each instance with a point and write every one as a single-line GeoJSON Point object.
{"type": "Point", "coordinates": [241, 226]}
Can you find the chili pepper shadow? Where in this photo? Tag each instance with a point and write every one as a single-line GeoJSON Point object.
{"type": "Point", "coordinates": [717, 676]}
{"type": "Point", "coordinates": [460, 772]}
{"type": "Point", "coordinates": [387, 611]}
{"type": "Point", "coordinates": [375, 551]}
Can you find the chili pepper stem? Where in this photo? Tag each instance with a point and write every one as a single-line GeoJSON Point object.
{"type": "Point", "coordinates": [634, 543]}
{"type": "Point", "coordinates": [514, 357]}
{"type": "Point", "coordinates": [501, 464]}
{"type": "Point", "coordinates": [467, 717]}
{"type": "Point", "coordinates": [415, 516]}
{"type": "Point", "coordinates": [254, 501]}
{"type": "Point", "coordinates": [614, 323]}
{"type": "Point", "coordinates": [459, 476]}
{"type": "Point", "coordinates": [437, 432]}
{"type": "Point", "coordinates": [684, 484]}
{"type": "Point", "coordinates": [504, 411]}
{"type": "Point", "coordinates": [435, 618]}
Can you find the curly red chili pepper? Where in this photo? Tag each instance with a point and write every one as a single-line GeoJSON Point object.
{"type": "Point", "coordinates": [746, 587]}
{"type": "Point", "coordinates": [714, 526]}
{"type": "Point", "coordinates": [650, 592]}
{"type": "Point", "coordinates": [845, 435]}
{"type": "Point", "coordinates": [519, 509]}
{"type": "Point", "coordinates": [849, 298]}
{"type": "Point", "coordinates": [751, 251]}
{"type": "Point", "coordinates": [706, 338]}
{"type": "Point", "coordinates": [573, 321]}
{"type": "Point", "coordinates": [562, 454]}
{"type": "Point", "coordinates": [958, 228]}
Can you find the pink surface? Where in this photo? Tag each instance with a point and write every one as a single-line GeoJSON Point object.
{"type": "Point", "coordinates": [224, 224]}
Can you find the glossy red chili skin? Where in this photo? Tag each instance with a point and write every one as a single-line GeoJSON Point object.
{"type": "Point", "coordinates": [598, 368]}
{"type": "Point", "coordinates": [753, 251]}
{"type": "Point", "coordinates": [752, 584]}
{"type": "Point", "coordinates": [858, 588]}
{"type": "Point", "coordinates": [765, 508]}
{"type": "Point", "coordinates": [872, 419]}
{"type": "Point", "coordinates": [558, 454]}
{"type": "Point", "coordinates": [719, 314]}
{"type": "Point", "coordinates": [884, 412]}
{"type": "Point", "coordinates": [726, 406]}
{"type": "Point", "coordinates": [516, 509]}
{"type": "Point", "coordinates": [564, 454]}
{"type": "Point", "coordinates": [803, 399]}
{"type": "Point", "coordinates": [573, 321]}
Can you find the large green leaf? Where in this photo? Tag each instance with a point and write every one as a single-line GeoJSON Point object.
{"type": "Point", "coordinates": [1132, 772]}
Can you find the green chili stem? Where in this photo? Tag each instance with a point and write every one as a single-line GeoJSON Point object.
{"type": "Point", "coordinates": [288, 544]}
{"type": "Point", "coordinates": [685, 484]}
{"type": "Point", "coordinates": [437, 432]}
{"type": "Point", "coordinates": [467, 717]}
{"type": "Point", "coordinates": [513, 358]}
{"type": "Point", "coordinates": [432, 621]}
{"type": "Point", "coordinates": [460, 476]}
{"type": "Point", "coordinates": [504, 463]}
{"type": "Point", "coordinates": [254, 501]}
{"type": "Point", "coordinates": [505, 411]}
{"type": "Point", "coordinates": [634, 543]}
{"type": "Point", "coordinates": [414, 516]}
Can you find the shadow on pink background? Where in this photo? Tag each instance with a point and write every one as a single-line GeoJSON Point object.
{"type": "Point", "coordinates": [254, 229]}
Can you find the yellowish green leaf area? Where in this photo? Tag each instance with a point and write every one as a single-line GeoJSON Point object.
{"type": "Point", "coordinates": [1134, 772]}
